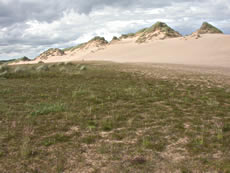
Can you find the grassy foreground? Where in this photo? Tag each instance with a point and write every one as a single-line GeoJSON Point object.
{"type": "Point", "coordinates": [101, 118]}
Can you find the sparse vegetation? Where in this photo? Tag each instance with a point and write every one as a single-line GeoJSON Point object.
{"type": "Point", "coordinates": [4, 68]}
{"type": "Point", "coordinates": [208, 28]}
{"type": "Point", "coordinates": [24, 58]}
{"type": "Point", "coordinates": [6, 61]}
{"type": "Point", "coordinates": [113, 118]}
{"type": "Point", "coordinates": [43, 109]}
{"type": "Point", "coordinates": [74, 47]}
{"type": "Point", "coordinates": [101, 41]}
{"type": "Point", "coordinates": [19, 69]}
{"type": "Point", "coordinates": [129, 35]}
{"type": "Point", "coordinates": [148, 33]}
{"type": "Point", "coordinates": [115, 38]}
{"type": "Point", "coordinates": [42, 68]}
{"type": "Point", "coordinates": [50, 52]}
{"type": "Point", "coordinates": [40, 62]}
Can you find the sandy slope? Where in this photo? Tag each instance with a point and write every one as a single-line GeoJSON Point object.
{"type": "Point", "coordinates": [209, 50]}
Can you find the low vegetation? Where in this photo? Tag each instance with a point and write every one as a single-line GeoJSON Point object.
{"type": "Point", "coordinates": [24, 58]}
{"type": "Point", "coordinates": [148, 33]}
{"type": "Point", "coordinates": [129, 35]}
{"type": "Point", "coordinates": [155, 30]}
{"type": "Point", "coordinates": [6, 61]}
{"type": "Point", "coordinates": [73, 47]}
{"type": "Point", "coordinates": [102, 117]}
{"type": "Point", "coordinates": [207, 28]}
{"type": "Point", "coordinates": [100, 40]}
{"type": "Point", "coordinates": [50, 52]}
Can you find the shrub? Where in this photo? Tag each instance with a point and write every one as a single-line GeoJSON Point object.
{"type": "Point", "coordinates": [107, 125]}
{"type": "Point", "coordinates": [61, 64]}
{"type": "Point", "coordinates": [4, 68]}
{"type": "Point", "coordinates": [51, 65]}
{"type": "Point", "coordinates": [115, 38]}
{"type": "Point", "coordinates": [69, 63]}
{"type": "Point", "coordinates": [40, 62]}
{"type": "Point", "coordinates": [3, 74]}
{"type": "Point", "coordinates": [62, 69]}
{"type": "Point", "coordinates": [82, 68]}
{"type": "Point", "coordinates": [42, 68]}
{"type": "Point", "coordinates": [19, 69]}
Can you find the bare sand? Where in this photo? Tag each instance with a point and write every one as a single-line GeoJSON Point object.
{"type": "Point", "coordinates": [208, 50]}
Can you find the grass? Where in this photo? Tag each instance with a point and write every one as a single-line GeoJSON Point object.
{"type": "Point", "coordinates": [74, 47]}
{"type": "Point", "coordinates": [43, 109]}
{"type": "Point", "coordinates": [208, 28]}
{"type": "Point", "coordinates": [146, 33]}
{"type": "Point", "coordinates": [4, 68]}
{"type": "Point", "coordinates": [6, 61]}
{"type": "Point", "coordinates": [127, 35]}
{"type": "Point", "coordinates": [82, 45]}
{"type": "Point", "coordinates": [112, 118]}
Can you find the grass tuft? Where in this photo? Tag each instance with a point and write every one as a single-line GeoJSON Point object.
{"type": "Point", "coordinates": [45, 108]}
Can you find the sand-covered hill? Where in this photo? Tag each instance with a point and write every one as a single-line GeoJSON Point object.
{"type": "Point", "coordinates": [208, 50]}
{"type": "Point", "coordinates": [94, 43]}
{"type": "Point", "coordinates": [50, 53]}
{"type": "Point", "coordinates": [207, 28]}
{"type": "Point", "coordinates": [158, 31]}
{"type": "Point", "coordinates": [55, 54]}
{"type": "Point", "coordinates": [160, 44]}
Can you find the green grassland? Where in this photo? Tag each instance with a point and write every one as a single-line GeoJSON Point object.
{"type": "Point", "coordinates": [105, 117]}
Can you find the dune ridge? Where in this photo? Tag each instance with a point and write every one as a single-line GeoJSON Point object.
{"type": "Point", "coordinates": [157, 44]}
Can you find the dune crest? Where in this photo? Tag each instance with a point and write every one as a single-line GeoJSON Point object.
{"type": "Point", "coordinates": [158, 31]}
{"type": "Point", "coordinates": [207, 28]}
{"type": "Point", "coordinates": [50, 53]}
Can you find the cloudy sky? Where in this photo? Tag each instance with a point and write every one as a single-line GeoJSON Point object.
{"type": "Point", "coordinates": [28, 27]}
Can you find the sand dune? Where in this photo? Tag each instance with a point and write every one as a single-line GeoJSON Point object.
{"type": "Point", "coordinates": [208, 50]}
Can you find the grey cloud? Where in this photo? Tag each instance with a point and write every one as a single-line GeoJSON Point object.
{"type": "Point", "coordinates": [96, 17]}
{"type": "Point", "coordinates": [16, 11]}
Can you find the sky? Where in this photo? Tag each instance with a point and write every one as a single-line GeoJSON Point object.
{"type": "Point", "coordinates": [29, 27]}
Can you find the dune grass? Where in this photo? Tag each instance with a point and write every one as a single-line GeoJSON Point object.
{"type": "Point", "coordinates": [106, 119]}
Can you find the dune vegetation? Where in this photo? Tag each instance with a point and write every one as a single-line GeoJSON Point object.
{"type": "Point", "coordinates": [207, 28]}
{"type": "Point", "coordinates": [107, 117]}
